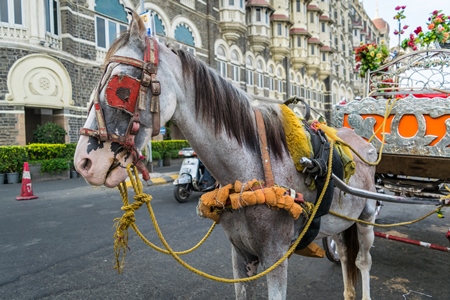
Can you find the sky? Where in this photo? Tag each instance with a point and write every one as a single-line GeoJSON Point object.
{"type": "Point", "coordinates": [416, 12]}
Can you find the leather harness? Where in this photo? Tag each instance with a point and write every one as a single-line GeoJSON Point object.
{"type": "Point", "coordinates": [129, 94]}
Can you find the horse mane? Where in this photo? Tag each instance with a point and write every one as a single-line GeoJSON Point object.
{"type": "Point", "coordinates": [118, 43]}
{"type": "Point", "coordinates": [222, 105]}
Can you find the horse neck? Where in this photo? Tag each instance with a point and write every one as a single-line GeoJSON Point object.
{"type": "Point", "coordinates": [222, 155]}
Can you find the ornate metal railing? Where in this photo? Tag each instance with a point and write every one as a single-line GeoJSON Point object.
{"type": "Point", "coordinates": [418, 72]}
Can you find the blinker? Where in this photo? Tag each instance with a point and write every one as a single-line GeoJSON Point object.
{"type": "Point", "coordinates": [122, 92]}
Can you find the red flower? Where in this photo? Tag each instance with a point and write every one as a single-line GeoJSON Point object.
{"type": "Point", "coordinates": [435, 12]}
{"type": "Point", "coordinates": [418, 30]}
{"type": "Point", "coordinates": [398, 8]}
{"type": "Point", "coordinates": [403, 7]}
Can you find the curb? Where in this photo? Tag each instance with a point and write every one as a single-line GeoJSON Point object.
{"type": "Point", "coordinates": [155, 179]}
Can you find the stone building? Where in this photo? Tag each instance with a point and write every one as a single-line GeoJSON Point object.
{"type": "Point", "coordinates": [52, 51]}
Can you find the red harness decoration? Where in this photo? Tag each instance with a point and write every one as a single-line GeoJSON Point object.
{"type": "Point", "coordinates": [122, 92]}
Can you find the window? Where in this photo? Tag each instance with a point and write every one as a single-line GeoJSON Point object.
{"type": "Point", "coordinates": [279, 29]}
{"type": "Point", "coordinates": [259, 70]}
{"type": "Point", "coordinates": [299, 41]}
{"type": "Point", "coordinates": [11, 12]}
{"type": "Point", "coordinates": [51, 16]}
{"type": "Point", "coordinates": [107, 31]}
{"type": "Point", "coordinates": [297, 5]}
{"type": "Point", "coordinates": [258, 15]}
{"type": "Point", "coordinates": [323, 27]}
{"type": "Point", "coordinates": [235, 70]}
{"type": "Point", "coordinates": [324, 56]}
{"type": "Point", "coordinates": [312, 49]}
{"type": "Point", "coordinates": [221, 64]}
{"type": "Point", "coordinates": [311, 17]}
{"type": "Point", "coordinates": [271, 80]}
{"type": "Point", "coordinates": [249, 66]}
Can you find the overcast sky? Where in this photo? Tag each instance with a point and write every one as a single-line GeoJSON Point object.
{"type": "Point", "coordinates": [416, 12]}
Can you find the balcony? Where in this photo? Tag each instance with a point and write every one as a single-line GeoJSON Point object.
{"type": "Point", "coordinates": [232, 23]}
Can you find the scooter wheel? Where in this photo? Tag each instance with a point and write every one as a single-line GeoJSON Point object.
{"type": "Point", "coordinates": [182, 193]}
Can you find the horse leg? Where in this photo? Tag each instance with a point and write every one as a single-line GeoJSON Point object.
{"type": "Point", "coordinates": [244, 266]}
{"type": "Point", "coordinates": [277, 281]}
{"type": "Point", "coordinates": [364, 259]}
{"type": "Point", "coordinates": [347, 250]}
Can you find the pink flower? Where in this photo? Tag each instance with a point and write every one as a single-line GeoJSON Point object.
{"type": "Point", "coordinates": [405, 27]}
{"type": "Point", "coordinates": [398, 8]}
{"type": "Point", "coordinates": [435, 12]}
{"type": "Point", "coordinates": [403, 7]}
{"type": "Point", "coordinates": [395, 32]}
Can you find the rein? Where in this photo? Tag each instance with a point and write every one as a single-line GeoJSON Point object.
{"type": "Point", "coordinates": [128, 94]}
{"type": "Point", "coordinates": [268, 175]}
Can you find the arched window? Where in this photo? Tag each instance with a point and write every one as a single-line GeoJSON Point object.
{"type": "Point", "coordinates": [221, 61]}
{"type": "Point", "coordinates": [271, 79]}
{"type": "Point", "coordinates": [260, 72]}
{"type": "Point", "coordinates": [159, 26]}
{"type": "Point", "coordinates": [111, 21]}
{"type": "Point", "coordinates": [249, 68]}
{"type": "Point", "coordinates": [235, 70]}
{"type": "Point", "coordinates": [183, 34]}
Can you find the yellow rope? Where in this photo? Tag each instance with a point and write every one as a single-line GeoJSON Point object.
{"type": "Point", "coordinates": [387, 225]}
{"type": "Point", "coordinates": [138, 189]}
{"type": "Point", "coordinates": [123, 223]}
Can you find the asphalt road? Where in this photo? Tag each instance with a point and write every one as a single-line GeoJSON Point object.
{"type": "Point", "coordinates": [60, 246]}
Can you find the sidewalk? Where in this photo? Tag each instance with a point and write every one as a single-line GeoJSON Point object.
{"type": "Point", "coordinates": [158, 176]}
{"type": "Point", "coordinates": [162, 175]}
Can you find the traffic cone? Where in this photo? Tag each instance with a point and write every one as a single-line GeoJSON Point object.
{"type": "Point", "coordinates": [27, 189]}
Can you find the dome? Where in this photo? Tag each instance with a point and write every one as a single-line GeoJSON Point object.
{"type": "Point", "coordinates": [381, 25]}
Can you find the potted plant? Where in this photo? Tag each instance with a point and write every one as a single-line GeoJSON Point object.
{"type": "Point", "coordinates": [167, 155]}
{"type": "Point", "coordinates": [13, 158]}
{"type": "Point", "coordinates": [157, 158]}
{"type": "Point", "coordinates": [2, 172]}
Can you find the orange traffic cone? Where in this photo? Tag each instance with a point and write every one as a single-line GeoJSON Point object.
{"type": "Point", "coordinates": [27, 189]}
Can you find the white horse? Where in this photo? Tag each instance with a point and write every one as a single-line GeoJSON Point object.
{"type": "Point", "coordinates": [218, 120]}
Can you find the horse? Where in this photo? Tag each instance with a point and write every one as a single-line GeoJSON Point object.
{"type": "Point", "coordinates": [136, 95]}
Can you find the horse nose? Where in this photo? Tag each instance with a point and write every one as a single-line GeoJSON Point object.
{"type": "Point", "coordinates": [83, 167]}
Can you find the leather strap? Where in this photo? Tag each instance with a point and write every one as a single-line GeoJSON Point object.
{"type": "Point", "coordinates": [268, 175]}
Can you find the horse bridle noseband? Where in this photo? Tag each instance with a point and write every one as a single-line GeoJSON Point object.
{"type": "Point", "coordinates": [129, 94]}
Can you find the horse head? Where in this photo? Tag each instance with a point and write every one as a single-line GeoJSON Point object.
{"type": "Point", "coordinates": [126, 108]}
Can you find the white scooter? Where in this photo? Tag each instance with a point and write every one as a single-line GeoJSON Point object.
{"type": "Point", "coordinates": [193, 177]}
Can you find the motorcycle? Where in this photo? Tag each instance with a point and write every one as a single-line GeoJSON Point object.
{"type": "Point", "coordinates": [193, 177]}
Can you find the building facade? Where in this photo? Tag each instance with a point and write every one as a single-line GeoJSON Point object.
{"type": "Point", "coordinates": [52, 52]}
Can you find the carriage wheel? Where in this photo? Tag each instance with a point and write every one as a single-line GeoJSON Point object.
{"type": "Point", "coordinates": [330, 250]}
{"type": "Point", "coordinates": [182, 193]}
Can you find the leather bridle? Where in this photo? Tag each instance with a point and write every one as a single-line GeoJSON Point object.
{"type": "Point", "coordinates": [129, 94]}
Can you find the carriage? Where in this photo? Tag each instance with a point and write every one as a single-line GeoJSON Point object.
{"type": "Point", "coordinates": [406, 116]}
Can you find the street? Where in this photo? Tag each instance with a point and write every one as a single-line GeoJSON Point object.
{"type": "Point", "coordinates": [60, 246]}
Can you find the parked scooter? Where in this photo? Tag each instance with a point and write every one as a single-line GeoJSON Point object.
{"type": "Point", "coordinates": [193, 177]}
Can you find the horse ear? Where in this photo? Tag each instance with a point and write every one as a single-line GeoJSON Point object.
{"type": "Point", "coordinates": [137, 27]}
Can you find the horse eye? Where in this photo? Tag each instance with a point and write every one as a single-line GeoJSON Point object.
{"type": "Point", "coordinates": [123, 93]}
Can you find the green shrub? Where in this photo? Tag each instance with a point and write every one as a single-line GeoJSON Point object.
{"type": "Point", "coordinates": [156, 155]}
{"type": "Point", "coordinates": [54, 165]}
{"type": "Point", "coordinates": [49, 133]}
{"type": "Point", "coordinates": [45, 151]}
{"type": "Point", "coordinates": [13, 158]}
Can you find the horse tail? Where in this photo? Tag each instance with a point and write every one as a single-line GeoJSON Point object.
{"type": "Point", "coordinates": [352, 247]}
